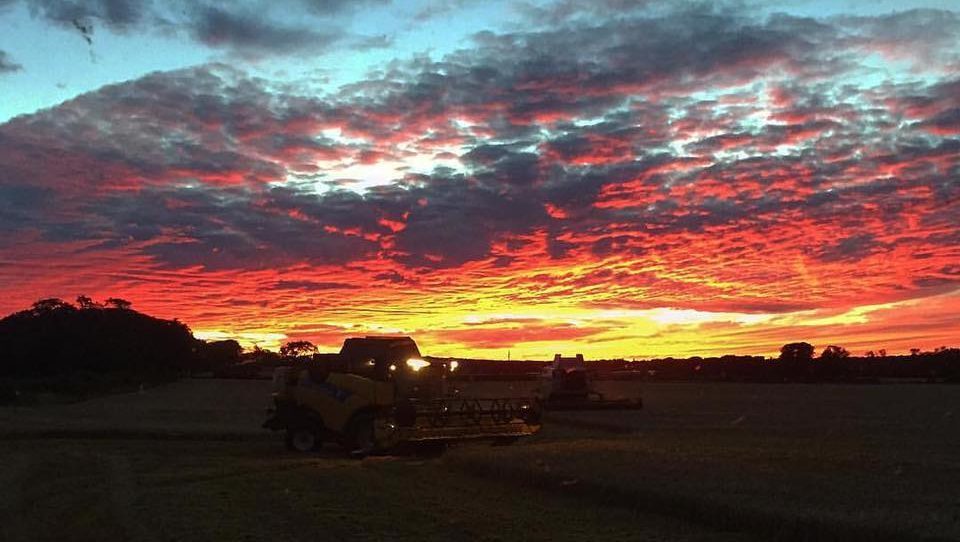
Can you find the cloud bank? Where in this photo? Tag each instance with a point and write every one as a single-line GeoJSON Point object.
{"type": "Point", "coordinates": [699, 158]}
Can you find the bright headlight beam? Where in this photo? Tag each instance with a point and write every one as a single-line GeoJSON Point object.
{"type": "Point", "coordinates": [416, 364]}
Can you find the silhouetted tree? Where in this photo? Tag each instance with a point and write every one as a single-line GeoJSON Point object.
{"type": "Point", "coordinates": [55, 338]}
{"type": "Point", "coordinates": [298, 348]}
{"type": "Point", "coordinates": [51, 304]}
{"type": "Point", "coordinates": [833, 352]}
{"type": "Point", "coordinates": [796, 352]}
{"type": "Point", "coordinates": [795, 359]}
{"type": "Point", "coordinates": [832, 364]}
{"type": "Point", "coordinates": [217, 356]}
{"type": "Point", "coordinates": [86, 303]}
{"type": "Point", "coordinates": [263, 357]}
{"type": "Point", "coordinates": [118, 303]}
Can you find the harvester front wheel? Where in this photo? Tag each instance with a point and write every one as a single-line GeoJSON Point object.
{"type": "Point", "coordinates": [302, 440]}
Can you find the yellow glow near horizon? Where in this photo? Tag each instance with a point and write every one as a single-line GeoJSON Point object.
{"type": "Point", "coordinates": [542, 330]}
{"type": "Point", "coordinates": [247, 339]}
{"type": "Point", "coordinates": [856, 315]}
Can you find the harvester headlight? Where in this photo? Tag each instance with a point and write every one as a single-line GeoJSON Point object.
{"type": "Point", "coordinates": [416, 364]}
{"type": "Point", "coordinates": [453, 365]}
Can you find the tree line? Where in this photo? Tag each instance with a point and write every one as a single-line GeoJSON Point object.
{"type": "Point", "coordinates": [90, 344]}
{"type": "Point", "coordinates": [796, 362]}
{"type": "Point", "coordinates": [93, 345]}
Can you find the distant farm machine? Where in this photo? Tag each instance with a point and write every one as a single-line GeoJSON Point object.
{"type": "Point", "coordinates": [379, 394]}
{"type": "Point", "coordinates": [567, 384]}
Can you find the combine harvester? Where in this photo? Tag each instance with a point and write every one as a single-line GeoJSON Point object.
{"type": "Point", "coordinates": [567, 384]}
{"type": "Point", "coordinates": [378, 394]}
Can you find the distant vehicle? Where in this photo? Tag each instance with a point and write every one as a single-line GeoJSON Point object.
{"type": "Point", "coordinates": [379, 394]}
{"type": "Point", "coordinates": [567, 384]}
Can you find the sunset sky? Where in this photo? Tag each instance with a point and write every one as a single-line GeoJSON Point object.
{"type": "Point", "coordinates": [608, 177]}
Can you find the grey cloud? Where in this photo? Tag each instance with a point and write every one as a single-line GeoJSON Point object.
{"type": "Point", "coordinates": [852, 248]}
{"type": "Point", "coordinates": [367, 43]}
{"type": "Point", "coordinates": [228, 25]}
{"type": "Point", "coordinates": [391, 276]}
{"type": "Point", "coordinates": [503, 165]}
{"type": "Point", "coordinates": [250, 33]}
{"type": "Point", "coordinates": [7, 65]}
{"type": "Point", "coordinates": [584, 71]}
{"type": "Point", "coordinates": [206, 122]}
{"type": "Point", "coordinates": [20, 204]}
{"type": "Point", "coordinates": [117, 14]}
{"type": "Point", "coordinates": [328, 7]}
{"type": "Point", "coordinates": [220, 229]}
{"type": "Point", "coordinates": [946, 122]}
{"type": "Point", "coordinates": [925, 28]}
{"type": "Point", "coordinates": [562, 11]}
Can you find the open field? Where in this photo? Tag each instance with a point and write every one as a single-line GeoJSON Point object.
{"type": "Point", "coordinates": [701, 462]}
{"type": "Point", "coordinates": [201, 407]}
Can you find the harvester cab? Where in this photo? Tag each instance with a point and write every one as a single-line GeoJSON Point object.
{"type": "Point", "coordinates": [379, 394]}
{"type": "Point", "coordinates": [568, 384]}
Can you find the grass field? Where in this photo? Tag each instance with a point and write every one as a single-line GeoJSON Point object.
{"type": "Point", "coordinates": [701, 462]}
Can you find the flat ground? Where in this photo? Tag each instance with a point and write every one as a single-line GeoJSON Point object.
{"type": "Point", "coordinates": [701, 462]}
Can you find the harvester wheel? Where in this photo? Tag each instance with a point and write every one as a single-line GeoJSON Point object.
{"type": "Point", "coordinates": [302, 440]}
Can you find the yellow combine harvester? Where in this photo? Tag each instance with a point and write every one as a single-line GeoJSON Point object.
{"type": "Point", "coordinates": [378, 394]}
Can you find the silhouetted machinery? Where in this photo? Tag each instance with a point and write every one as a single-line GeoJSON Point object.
{"type": "Point", "coordinates": [567, 384]}
{"type": "Point", "coordinates": [379, 394]}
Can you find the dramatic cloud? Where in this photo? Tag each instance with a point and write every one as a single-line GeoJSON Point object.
{"type": "Point", "coordinates": [116, 14]}
{"type": "Point", "coordinates": [565, 11]}
{"type": "Point", "coordinates": [737, 170]}
{"type": "Point", "coordinates": [7, 65]}
{"type": "Point", "coordinates": [329, 7]}
{"type": "Point", "coordinates": [250, 33]}
{"type": "Point", "coordinates": [247, 31]}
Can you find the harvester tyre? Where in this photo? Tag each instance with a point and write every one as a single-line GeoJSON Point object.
{"type": "Point", "coordinates": [302, 439]}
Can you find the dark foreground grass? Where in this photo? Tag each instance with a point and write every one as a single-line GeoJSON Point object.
{"type": "Point", "coordinates": [700, 462]}
{"type": "Point", "coordinates": [181, 490]}
{"type": "Point", "coordinates": [788, 462]}
{"type": "Point", "coordinates": [771, 494]}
